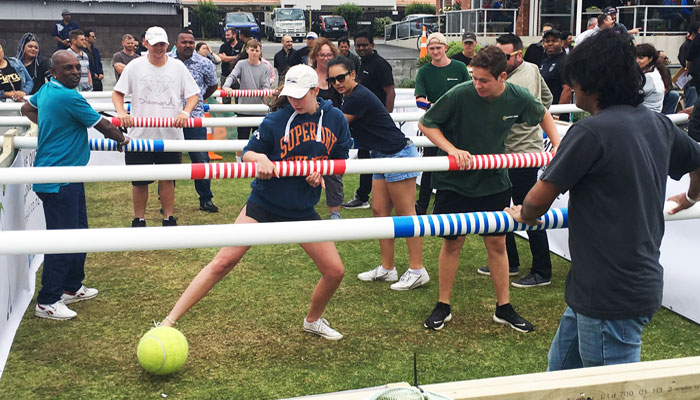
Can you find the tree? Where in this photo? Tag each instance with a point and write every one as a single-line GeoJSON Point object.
{"type": "Point", "coordinates": [208, 15]}
{"type": "Point", "coordinates": [420, 8]}
{"type": "Point", "coordinates": [350, 12]}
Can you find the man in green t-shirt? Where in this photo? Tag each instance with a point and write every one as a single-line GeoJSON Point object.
{"type": "Point", "coordinates": [432, 81]}
{"type": "Point", "coordinates": [476, 117]}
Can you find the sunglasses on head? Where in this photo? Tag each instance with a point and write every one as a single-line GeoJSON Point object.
{"type": "Point", "coordinates": [340, 78]}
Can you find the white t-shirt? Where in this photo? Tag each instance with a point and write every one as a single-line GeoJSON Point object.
{"type": "Point", "coordinates": [156, 92]}
{"type": "Point", "coordinates": [654, 91]}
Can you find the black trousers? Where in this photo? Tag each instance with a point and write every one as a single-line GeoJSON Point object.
{"type": "Point", "coordinates": [426, 188]}
{"type": "Point", "coordinates": [523, 179]}
{"type": "Point", "coordinates": [365, 188]}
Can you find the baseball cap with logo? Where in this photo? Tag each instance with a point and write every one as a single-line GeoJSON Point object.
{"type": "Point", "coordinates": [155, 35]}
{"type": "Point", "coordinates": [610, 10]}
{"type": "Point", "coordinates": [439, 37]}
{"type": "Point", "coordinates": [469, 37]}
{"type": "Point", "coordinates": [298, 81]}
{"type": "Point", "coordinates": [311, 35]}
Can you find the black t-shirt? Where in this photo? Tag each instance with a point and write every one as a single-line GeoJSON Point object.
{"type": "Point", "coordinates": [332, 95]}
{"type": "Point", "coordinates": [39, 71]}
{"type": "Point", "coordinates": [230, 51]}
{"type": "Point", "coordinates": [373, 129]}
{"type": "Point", "coordinates": [9, 79]}
{"type": "Point", "coordinates": [302, 56]}
{"type": "Point", "coordinates": [615, 166]}
{"type": "Point", "coordinates": [550, 69]}
{"type": "Point", "coordinates": [534, 53]}
{"type": "Point", "coordinates": [375, 74]}
{"type": "Point", "coordinates": [461, 57]}
{"type": "Point", "coordinates": [284, 60]}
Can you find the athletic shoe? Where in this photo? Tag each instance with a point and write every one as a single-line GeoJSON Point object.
{"type": "Point", "coordinates": [322, 328]}
{"type": "Point", "coordinates": [441, 314]}
{"type": "Point", "coordinates": [336, 215]}
{"type": "Point", "coordinates": [420, 210]}
{"type": "Point", "coordinates": [138, 223]}
{"type": "Point", "coordinates": [532, 279]}
{"type": "Point", "coordinates": [208, 206]}
{"type": "Point", "coordinates": [410, 280]}
{"type": "Point", "coordinates": [355, 203]}
{"type": "Point", "coordinates": [84, 293]}
{"type": "Point", "coordinates": [379, 274]}
{"type": "Point", "coordinates": [57, 310]}
{"type": "Point", "coordinates": [171, 221]}
{"type": "Point", "coordinates": [485, 271]}
{"type": "Point", "coordinates": [507, 315]}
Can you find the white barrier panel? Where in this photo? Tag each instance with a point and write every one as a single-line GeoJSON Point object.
{"type": "Point", "coordinates": [111, 173]}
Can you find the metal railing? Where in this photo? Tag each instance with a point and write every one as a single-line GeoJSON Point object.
{"type": "Point", "coordinates": [651, 20]}
{"type": "Point", "coordinates": [482, 21]}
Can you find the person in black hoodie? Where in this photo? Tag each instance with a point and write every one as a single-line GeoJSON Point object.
{"type": "Point", "coordinates": [307, 128]}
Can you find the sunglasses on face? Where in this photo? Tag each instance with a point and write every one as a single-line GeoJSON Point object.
{"type": "Point", "coordinates": [508, 56]}
{"type": "Point", "coordinates": [340, 78]}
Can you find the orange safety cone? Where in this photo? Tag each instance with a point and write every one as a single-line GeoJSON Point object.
{"type": "Point", "coordinates": [210, 136]}
{"type": "Point", "coordinates": [423, 43]}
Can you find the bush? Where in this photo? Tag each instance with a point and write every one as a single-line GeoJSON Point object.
{"type": "Point", "coordinates": [420, 8]}
{"type": "Point", "coordinates": [407, 84]}
{"type": "Point", "coordinates": [208, 16]}
{"type": "Point", "coordinates": [453, 48]}
{"type": "Point", "coordinates": [351, 13]}
{"type": "Point", "coordinates": [380, 24]}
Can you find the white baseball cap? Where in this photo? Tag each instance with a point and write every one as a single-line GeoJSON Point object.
{"type": "Point", "coordinates": [155, 35]}
{"type": "Point", "coordinates": [311, 35]}
{"type": "Point", "coordinates": [298, 81]}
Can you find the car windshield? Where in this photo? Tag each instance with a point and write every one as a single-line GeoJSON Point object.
{"type": "Point", "coordinates": [416, 16]}
{"type": "Point", "coordinates": [289, 14]}
{"type": "Point", "coordinates": [239, 18]}
{"type": "Point", "coordinates": [335, 21]}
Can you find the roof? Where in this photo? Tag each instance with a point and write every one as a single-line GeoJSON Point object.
{"type": "Point", "coordinates": [118, 1]}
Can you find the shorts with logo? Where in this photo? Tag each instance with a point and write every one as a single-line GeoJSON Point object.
{"type": "Point", "coordinates": [408, 151]}
{"type": "Point", "coordinates": [260, 214]}
{"type": "Point", "coordinates": [447, 202]}
{"type": "Point", "coordinates": [138, 158]}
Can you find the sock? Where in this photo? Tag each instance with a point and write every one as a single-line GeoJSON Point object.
{"type": "Point", "coordinates": [387, 270]}
{"type": "Point", "coordinates": [417, 271]}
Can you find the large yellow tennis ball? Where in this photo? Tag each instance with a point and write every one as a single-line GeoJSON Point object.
{"type": "Point", "coordinates": [162, 350]}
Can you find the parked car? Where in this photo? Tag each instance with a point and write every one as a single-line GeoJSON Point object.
{"type": "Point", "coordinates": [239, 20]}
{"type": "Point", "coordinates": [330, 26]}
{"type": "Point", "coordinates": [412, 25]}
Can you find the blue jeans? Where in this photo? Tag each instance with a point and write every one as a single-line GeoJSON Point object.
{"type": "Point", "coordinates": [63, 210]}
{"type": "Point", "coordinates": [202, 186]}
{"type": "Point", "coordinates": [691, 95]}
{"type": "Point", "coordinates": [408, 151]}
{"type": "Point", "coordinates": [582, 341]}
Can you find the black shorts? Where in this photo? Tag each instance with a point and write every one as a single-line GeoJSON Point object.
{"type": "Point", "coordinates": [259, 214]}
{"type": "Point", "coordinates": [447, 202]}
{"type": "Point", "coordinates": [150, 158]}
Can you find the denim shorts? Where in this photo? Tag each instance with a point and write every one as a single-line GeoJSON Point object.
{"type": "Point", "coordinates": [408, 151]}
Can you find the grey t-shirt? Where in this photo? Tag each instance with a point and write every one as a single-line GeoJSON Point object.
{"type": "Point", "coordinates": [614, 165]}
{"type": "Point", "coordinates": [251, 77]}
{"type": "Point", "coordinates": [123, 58]}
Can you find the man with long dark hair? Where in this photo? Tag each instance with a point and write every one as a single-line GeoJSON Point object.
{"type": "Point", "coordinates": [614, 165]}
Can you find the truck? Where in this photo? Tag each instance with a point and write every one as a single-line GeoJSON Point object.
{"type": "Point", "coordinates": [285, 21]}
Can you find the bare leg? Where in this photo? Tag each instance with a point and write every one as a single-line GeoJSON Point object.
{"type": "Point", "coordinates": [382, 207]}
{"type": "Point", "coordinates": [167, 197]}
{"type": "Point", "coordinates": [332, 271]}
{"type": "Point", "coordinates": [222, 264]}
{"type": "Point", "coordinates": [498, 265]}
{"type": "Point", "coordinates": [139, 195]}
{"type": "Point", "coordinates": [447, 266]}
{"type": "Point", "coordinates": [403, 198]}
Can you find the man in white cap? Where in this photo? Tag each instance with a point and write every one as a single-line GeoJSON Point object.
{"type": "Point", "coordinates": [157, 84]}
{"type": "Point", "coordinates": [303, 54]}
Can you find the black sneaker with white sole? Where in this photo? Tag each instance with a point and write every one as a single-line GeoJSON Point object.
{"type": "Point", "coordinates": [533, 279]}
{"type": "Point", "coordinates": [441, 314]}
{"type": "Point", "coordinates": [507, 315]}
{"type": "Point", "coordinates": [485, 271]}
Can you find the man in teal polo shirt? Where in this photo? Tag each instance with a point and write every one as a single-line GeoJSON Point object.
{"type": "Point", "coordinates": [63, 116]}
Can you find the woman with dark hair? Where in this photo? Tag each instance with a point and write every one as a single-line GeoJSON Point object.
{"type": "Point", "coordinates": [654, 88]}
{"type": "Point", "coordinates": [36, 65]}
{"type": "Point", "coordinates": [204, 50]}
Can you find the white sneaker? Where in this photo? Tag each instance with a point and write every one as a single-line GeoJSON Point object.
{"type": "Point", "coordinates": [379, 274]}
{"type": "Point", "coordinates": [84, 293]}
{"type": "Point", "coordinates": [57, 310]}
{"type": "Point", "coordinates": [409, 280]}
{"type": "Point", "coordinates": [321, 328]}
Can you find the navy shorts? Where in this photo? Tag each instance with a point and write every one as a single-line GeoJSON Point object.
{"type": "Point", "coordinates": [150, 158]}
{"type": "Point", "coordinates": [259, 214]}
{"type": "Point", "coordinates": [447, 202]}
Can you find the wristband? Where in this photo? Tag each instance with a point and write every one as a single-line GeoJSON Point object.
{"type": "Point", "coordinates": [185, 112]}
{"type": "Point", "coordinates": [423, 104]}
{"type": "Point", "coordinates": [170, 320]}
{"type": "Point", "coordinates": [123, 142]}
{"type": "Point", "coordinates": [691, 201]}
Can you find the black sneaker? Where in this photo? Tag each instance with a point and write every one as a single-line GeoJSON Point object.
{"type": "Point", "coordinates": [485, 271]}
{"type": "Point", "coordinates": [506, 315]}
{"type": "Point", "coordinates": [208, 206]}
{"type": "Point", "coordinates": [171, 221]}
{"type": "Point", "coordinates": [356, 203]}
{"type": "Point", "coordinates": [420, 210]}
{"type": "Point", "coordinates": [441, 314]}
{"type": "Point", "coordinates": [138, 223]}
{"type": "Point", "coordinates": [532, 279]}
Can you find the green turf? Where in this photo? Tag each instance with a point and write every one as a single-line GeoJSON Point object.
{"type": "Point", "coordinates": [245, 337]}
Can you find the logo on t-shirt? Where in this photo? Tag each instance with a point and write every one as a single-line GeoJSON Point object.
{"type": "Point", "coordinates": [507, 117]}
{"type": "Point", "coordinates": [157, 91]}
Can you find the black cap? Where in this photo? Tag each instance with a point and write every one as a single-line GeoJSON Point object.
{"type": "Point", "coordinates": [469, 36]}
{"type": "Point", "coordinates": [610, 10]}
{"type": "Point", "coordinates": [552, 32]}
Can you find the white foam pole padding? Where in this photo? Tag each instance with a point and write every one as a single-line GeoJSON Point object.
{"type": "Point", "coordinates": [564, 108]}
{"type": "Point", "coordinates": [178, 237]}
{"type": "Point", "coordinates": [116, 173]}
{"type": "Point", "coordinates": [245, 93]}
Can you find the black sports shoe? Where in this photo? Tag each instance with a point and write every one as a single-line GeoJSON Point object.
{"type": "Point", "coordinates": [138, 223]}
{"type": "Point", "coordinates": [355, 203]}
{"type": "Point", "coordinates": [171, 221]}
{"type": "Point", "coordinates": [208, 206]}
{"type": "Point", "coordinates": [532, 279]}
{"type": "Point", "coordinates": [420, 210]}
{"type": "Point", "coordinates": [441, 314]}
{"type": "Point", "coordinates": [506, 314]}
{"type": "Point", "coordinates": [485, 271]}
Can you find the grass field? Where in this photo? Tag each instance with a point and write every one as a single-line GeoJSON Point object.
{"type": "Point", "coordinates": [245, 337]}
